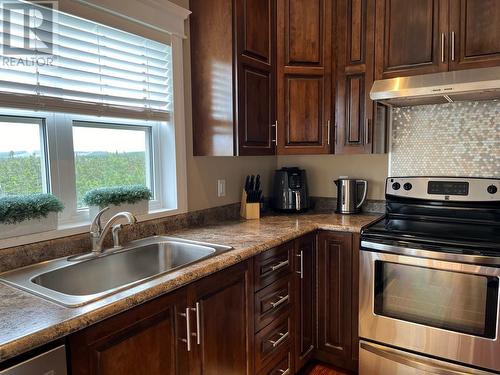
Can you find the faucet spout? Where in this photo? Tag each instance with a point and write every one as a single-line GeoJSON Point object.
{"type": "Point", "coordinates": [98, 235]}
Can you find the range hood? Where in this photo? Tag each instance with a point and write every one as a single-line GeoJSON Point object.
{"type": "Point", "coordinates": [439, 88]}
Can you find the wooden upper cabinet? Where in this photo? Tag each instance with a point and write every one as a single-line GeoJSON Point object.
{"type": "Point", "coordinates": [255, 33]}
{"type": "Point", "coordinates": [233, 76]}
{"type": "Point", "coordinates": [430, 36]}
{"type": "Point", "coordinates": [474, 34]}
{"type": "Point", "coordinates": [304, 49]}
{"type": "Point", "coordinates": [412, 38]}
{"type": "Point", "coordinates": [354, 78]}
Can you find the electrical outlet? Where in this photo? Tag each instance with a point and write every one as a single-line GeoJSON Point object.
{"type": "Point", "coordinates": [221, 188]}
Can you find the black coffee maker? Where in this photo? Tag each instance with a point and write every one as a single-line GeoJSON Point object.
{"type": "Point", "coordinates": [290, 190]}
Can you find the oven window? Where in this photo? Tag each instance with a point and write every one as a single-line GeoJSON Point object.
{"type": "Point", "coordinates": [454, 301]}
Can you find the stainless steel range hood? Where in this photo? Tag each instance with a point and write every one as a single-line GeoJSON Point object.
{"type": "Point", "coordinates": [439, 88]}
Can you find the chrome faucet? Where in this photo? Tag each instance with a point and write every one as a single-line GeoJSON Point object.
{"type": "Point", "coordinates": [98, 233]}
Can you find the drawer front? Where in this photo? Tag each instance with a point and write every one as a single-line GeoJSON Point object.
{"type": "Point", "coordinates": [272, 265]}
{"type": "Point", "coordinates": [279, 365]}
{"type": "Point", "coordinates": [271, 340]}
{"type": "Point", "coordinates": [273, 302]}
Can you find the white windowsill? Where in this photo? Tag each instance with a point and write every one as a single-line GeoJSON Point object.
{"type": "Point", "coordinates": [76, 228]}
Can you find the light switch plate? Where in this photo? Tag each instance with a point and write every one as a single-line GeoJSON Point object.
{"type": "Point", "coordinates": [221, 188]}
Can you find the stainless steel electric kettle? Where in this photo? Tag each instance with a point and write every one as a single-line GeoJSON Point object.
{"type": "Point", "coordinates": [351, 194]}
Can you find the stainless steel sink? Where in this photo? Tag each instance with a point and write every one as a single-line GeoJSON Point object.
{"type": "Point", "coordinates": [77, 282]}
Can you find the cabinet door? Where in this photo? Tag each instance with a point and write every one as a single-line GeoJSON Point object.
{"type": "Point", "coordinates": [412, 37]}
{"type": "Point", "coordinates": [356, 244]}
{"type": "Point", "coordinates": [474, 34]}
{"type": "Point", "coordinates": [255, 29]}
{"type": "Point", "coordinates": [334, 299]}
{"type": "Point", "coordinates": [144, 340]}
{"type": "Point", "coordinates": [304, 76]}
{"type": "Point", "coordinates": [223, 321]}
{"type": "Point", "coordinates": [305, 299]}
{"type": "Point", "coordinates": [355, 63]}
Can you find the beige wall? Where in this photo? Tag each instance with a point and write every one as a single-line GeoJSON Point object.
{"type": "Point", "coordinates": [323, 169]}
{"type": "Point", "coordinates": [203, 172]}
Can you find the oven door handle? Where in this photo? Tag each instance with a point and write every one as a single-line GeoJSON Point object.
{"type": "Point", "coordinates": [430, 254]}
{"type": "Point", "coordinates": [420, 363]}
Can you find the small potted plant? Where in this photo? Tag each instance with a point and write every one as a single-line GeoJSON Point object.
{"type": "Point", "coordinates": [27, 214]}
{"type": "Point", "coordinates": [134, 199]}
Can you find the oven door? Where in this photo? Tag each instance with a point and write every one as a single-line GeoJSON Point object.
{"type": "Point", "coordinates": [445, 309]}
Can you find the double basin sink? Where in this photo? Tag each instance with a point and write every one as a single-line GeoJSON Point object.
{"type": "Point", "coordinates": [76, 281]}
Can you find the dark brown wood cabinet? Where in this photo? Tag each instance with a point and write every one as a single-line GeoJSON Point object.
{"type": "Point", "coordinates": [223, 319]}
{"type": "Point", "coordinates": [233, 77]}
{"type": "Point", "coordinates": [144, 340]}
{"type": "Point", "coordinates": [354, 118]}
{"type": "Point", "coordinates": [304, 68]}
{"type": "Point", "coordinates": [474, 34]}
{"type": "Point", "coordinates": [266, 315]}
{"type": "Point", "coordinates": [335, 315]}
{"type": "Point", "coordinates": [410, 37]}
{"type": "Point", "coordinates": [305, 299]}
{"type": "Point", "coordinates": [256, 54]}
{"type": "Point", "coordinates": [152, 338]}
{"type": "Point", "coordinates": [356, 245]}
{"type": "Point", "coordinates": [430, 36]}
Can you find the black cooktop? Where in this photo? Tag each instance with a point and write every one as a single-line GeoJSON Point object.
{"type": "Point", "coordinates": [435, 232]}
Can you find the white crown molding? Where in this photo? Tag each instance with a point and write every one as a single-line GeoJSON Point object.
{"type": "Point", "coordinates": [160, 15]}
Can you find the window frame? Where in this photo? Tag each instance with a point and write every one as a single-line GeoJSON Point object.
{"type": "Point", "coordinates": [152, 175]}
{"type": "Point", "coordinates": [172, 138]}
{"type": "Point", "coordinates": [56, 132]}
{"type": "Point", "coordinates": [44, 159]}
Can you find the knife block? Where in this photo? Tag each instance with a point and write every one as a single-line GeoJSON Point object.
{"type": "Point", "coordinates": [249, 211]}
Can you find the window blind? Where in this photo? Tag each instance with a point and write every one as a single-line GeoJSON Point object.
{"type": "Point", "coordinates": [55, 61]}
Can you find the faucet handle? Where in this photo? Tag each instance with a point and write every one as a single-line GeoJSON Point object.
{"type": "Point", "coordinates": [95, 226]}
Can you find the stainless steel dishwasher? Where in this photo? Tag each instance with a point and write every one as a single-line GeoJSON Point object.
{"type": "Point", "coordinates": [52, 362]}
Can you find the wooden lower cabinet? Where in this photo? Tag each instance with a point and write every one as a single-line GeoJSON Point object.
{"type": "Point", "coordinates": [151, 338]}
{"type": "Point", "coordinates": [225, 308]}
{"type": "Point", "coordinates": [334, 291]}
{"type": "Point", "coordinates": [267, 315]}
{"type": "Point", "coordinates": [144, 340]}
{"type": "Point", "coordinates": [305, 299]}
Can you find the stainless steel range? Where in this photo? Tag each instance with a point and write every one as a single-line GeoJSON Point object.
{"type": "Point", "coordinates": [429, 279]}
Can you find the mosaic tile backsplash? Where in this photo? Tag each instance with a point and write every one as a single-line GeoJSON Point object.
{"type": "Point", "coordinates": [456, 139]}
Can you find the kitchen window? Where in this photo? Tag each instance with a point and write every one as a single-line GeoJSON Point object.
{"type": "Point", "coordinates": [23, 167]}
{"type": "Point", "coordinates": [107, 155]}
{"type": "Point", "coordinates": [95, 108]}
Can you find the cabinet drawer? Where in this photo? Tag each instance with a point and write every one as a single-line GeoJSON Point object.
{"type": "Point", "coordinates": [271, 340]}
{"type": "Point", "coordinates": [272, 264]}
{"type": "Point", "coordinates": [281, 364]}
{"type": "Point", "coordinates": [272, 302]}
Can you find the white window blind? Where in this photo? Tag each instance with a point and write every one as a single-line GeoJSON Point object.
{"type": "Point", "coordinates": [89, 68]}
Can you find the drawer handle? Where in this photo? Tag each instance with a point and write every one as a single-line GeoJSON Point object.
{"type": "Point", "coordinates": [275, 343]}
{"type": "Point", "coordinates": [279, 265]}
{"type": "Point", "coordinates": [280, 301]}
{"type": "Point", "coordinates": [284, 372]}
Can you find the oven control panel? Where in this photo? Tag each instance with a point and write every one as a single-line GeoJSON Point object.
{"type": "Point", "coordinates": [445, 188]}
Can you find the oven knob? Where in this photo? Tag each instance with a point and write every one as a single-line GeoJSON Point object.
{"type": "Point", "coordinates": [407, 186]}
{"type": "Point", "coordinates": [396, 186]}
{"type": "Point", "coordinates": [492, 189]}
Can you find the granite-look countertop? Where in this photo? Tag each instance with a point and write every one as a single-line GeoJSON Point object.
{"type": "Point", "coordinates": [28, 321]}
